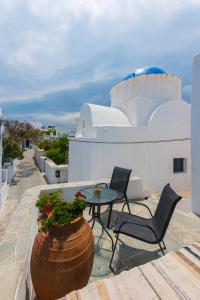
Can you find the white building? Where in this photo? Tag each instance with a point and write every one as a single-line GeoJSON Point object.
{"type": "Point", "coordinates": [196, 136]}
{"type": "Point", "coordinates": [69, 129]}
{"type": "Point", "coordinates": [147, 128]}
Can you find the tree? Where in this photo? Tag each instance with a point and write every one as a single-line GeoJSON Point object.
{"type": "Point", "coordinates": [19, 131]}
{"type": "Point", "coordinates": [11, 150]}
{"type": "Point", "coordinates": [15, 132]}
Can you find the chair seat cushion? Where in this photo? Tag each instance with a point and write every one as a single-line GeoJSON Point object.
{"type": "Point", "coordinates": [136, 231]}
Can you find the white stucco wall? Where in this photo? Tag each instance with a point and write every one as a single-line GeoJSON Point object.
{"type": "Point", "coordinates": [153, 86]}
{"type": "Point", "coordinates": [39, 155]}
{"type": "Point", "coordinates": [148, 150]}
{"type": "Point", "coordinates": [196, 135]}
{"type": "Point", "coordinates": [152, 161]}
{"type": "Point", "coordinates": [50, 172]}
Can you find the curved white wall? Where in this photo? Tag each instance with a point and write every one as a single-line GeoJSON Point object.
{"type": "Point", "coordinates": [138, 97]}
{"type": "Point", "coordinates": [153, 86]}
{"type": "Point", "coordinates": [95, 115]}
{"type": "Point", "coordinates": [171, 120]}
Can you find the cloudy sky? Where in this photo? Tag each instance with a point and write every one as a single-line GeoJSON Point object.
{"type": "Point", "coordinates": [57, 54]}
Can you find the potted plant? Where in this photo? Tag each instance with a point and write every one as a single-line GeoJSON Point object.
{"type": "Point", "coordinates": [63, 250]}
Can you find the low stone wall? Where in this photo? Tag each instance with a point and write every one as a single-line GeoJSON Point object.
{"type": "Point", "coordinates": [16, 244]}
{"type": "Point", "coordinates": [40, 158]}
{"type": "Point", "coordinates": [55, 173]}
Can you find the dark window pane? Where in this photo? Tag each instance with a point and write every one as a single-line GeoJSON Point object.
{"type": "Point", "coordinates": [178, 165]}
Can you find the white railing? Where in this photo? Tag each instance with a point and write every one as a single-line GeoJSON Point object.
{"type": "Point", "coordinates": [7, 175]}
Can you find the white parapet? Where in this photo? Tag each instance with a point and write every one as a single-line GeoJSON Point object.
{"type": "Point", "coordinates": [39, 155]}
{"type": "Point", "coordinates": [55, 173]}
{"type": "Point", "coordinates": [196, 136]}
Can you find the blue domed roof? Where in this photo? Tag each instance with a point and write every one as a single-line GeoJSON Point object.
{"type": "Point", "coordinates": [145, 71]}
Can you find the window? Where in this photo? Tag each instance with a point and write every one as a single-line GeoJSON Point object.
{"type": "Point", "coordinates": [179, 165]}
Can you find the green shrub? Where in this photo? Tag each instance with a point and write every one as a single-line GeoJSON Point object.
{"type": "Point", "coordinates": [11, 150]}
{"type": "Point", "coordinates": [57, 150]}
{"type": "Point", "coordinates": [57, 156]}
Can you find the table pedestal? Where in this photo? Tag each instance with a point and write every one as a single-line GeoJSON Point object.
{"type": "Point", "coordinates": [97, 216]}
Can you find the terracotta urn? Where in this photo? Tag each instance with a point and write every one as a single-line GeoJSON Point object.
{"type": "Point", "coordinates": [62, 259]}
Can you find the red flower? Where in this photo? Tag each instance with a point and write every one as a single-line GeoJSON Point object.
{"type": "Point", "coordinates": [47, 209]}
{"type": "Point", "coordinates": [79, 194]}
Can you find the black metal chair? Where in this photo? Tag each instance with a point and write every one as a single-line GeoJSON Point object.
{"type": "Point", "coordinates": [148, 230]}
{"type": "Point", "coordinates": [119, 182]}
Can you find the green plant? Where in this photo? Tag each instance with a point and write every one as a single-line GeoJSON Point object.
{"type": "Point", "coordinates": [57, 156]}
{"type": "Point", "coordinates": [57, 150]}
{"type": "Point", "coordinates": [56, 212]}
{"type": "Point", "coordinates": [11, 150]}
{"type": "Point", "coordinates": [49, 131]}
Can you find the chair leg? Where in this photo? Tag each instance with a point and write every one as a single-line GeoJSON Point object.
{"type": "Point", "coordinates": [109, 217]}
{"type": "Point", "coordinates": [163, 253]}
{"type": "Point", "coordinates": [90, 209]}
{"type": "Point", "coordinates": [110, 265]}
{"type": "Point", "coordinates": [123, 206]}
{"type": "Point", "coordinates": [93, 223]}
{"type": "Point", "coordinates": [126, 199]}
{"type": "Point", "coordinates": [164, 246]}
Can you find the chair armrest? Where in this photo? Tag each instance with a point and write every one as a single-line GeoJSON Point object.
{"type": "Point", "coordinates": [101, 183]}
{"type": "Point", "coordinates": [142, 204]}
{"type": "Point", "coordinates": [138, 224]}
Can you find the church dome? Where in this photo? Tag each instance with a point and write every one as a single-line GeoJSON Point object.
{"type": "Point", "coordinates": [145, 71]}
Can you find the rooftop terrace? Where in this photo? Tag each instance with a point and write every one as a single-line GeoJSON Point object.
{"type": "Point", "coordinates": [21, 227]}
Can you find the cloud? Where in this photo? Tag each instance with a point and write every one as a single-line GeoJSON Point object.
{"type": "Point", "coordinates": [63, 118]}
{"type": "Point", "coordinates": [49, 46]}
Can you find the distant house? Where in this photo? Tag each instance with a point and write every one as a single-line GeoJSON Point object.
{"type": "Point", "coordinates": [147, 128]}
{"type": "Point", "coordinates": [69, 129]}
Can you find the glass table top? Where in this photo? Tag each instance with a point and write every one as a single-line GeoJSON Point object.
{"type": "Point", "coordinates": [106, 196]}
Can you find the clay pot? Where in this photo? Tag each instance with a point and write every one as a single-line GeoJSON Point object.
{"type": "Point", "coordinates": [62, 259]}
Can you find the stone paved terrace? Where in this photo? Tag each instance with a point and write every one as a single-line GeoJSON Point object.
{"type": "Point", "coordinates": [19, 230]}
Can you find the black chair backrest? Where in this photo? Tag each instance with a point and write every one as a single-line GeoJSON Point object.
{"type": "Point", "coordinates": [165, 209]}
{"type": "Point", "coordinates": [119, 180]}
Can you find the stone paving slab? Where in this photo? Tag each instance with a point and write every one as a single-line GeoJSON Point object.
{"type": "Point", "coordinates": [26, 176]}
{"type": "Point", "coordinates": [16, 224]}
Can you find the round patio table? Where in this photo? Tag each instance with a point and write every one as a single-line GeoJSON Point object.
{"type": "Point", "coordinates": [106, 197]}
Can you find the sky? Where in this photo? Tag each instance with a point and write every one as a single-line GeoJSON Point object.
{"type": "Point", "coordinates": [56, 55]}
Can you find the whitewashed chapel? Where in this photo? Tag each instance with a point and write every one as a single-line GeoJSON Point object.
{"type": "Point", "coordinates": [147, 128]}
